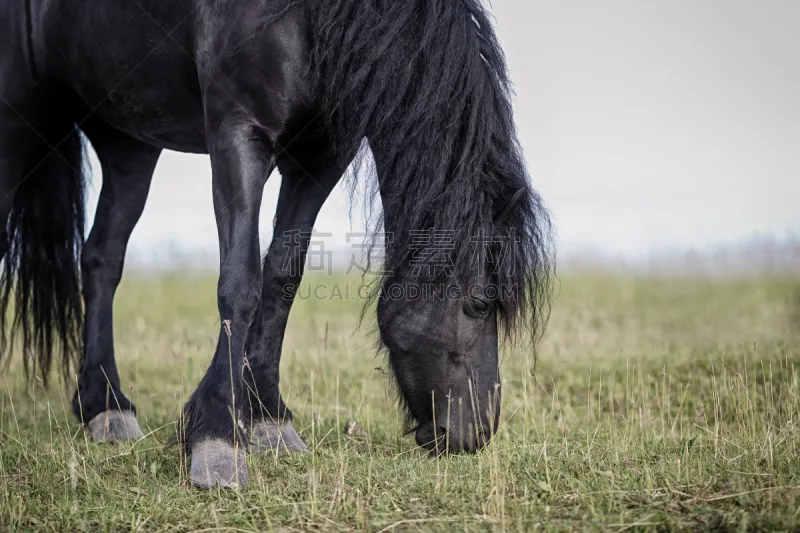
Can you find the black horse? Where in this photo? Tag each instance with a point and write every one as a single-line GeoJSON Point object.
{"type": "Point", "coordinates": [297, 84]}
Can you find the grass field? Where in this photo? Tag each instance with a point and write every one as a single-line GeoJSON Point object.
{"type": "Point", "coordinates": [655, 404]}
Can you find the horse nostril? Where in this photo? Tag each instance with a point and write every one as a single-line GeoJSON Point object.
{"type": "Point", "coordinates": [456, 357]}
{"type": "Point", "coordinates": [433, 438]}
{"type": "Point", "coordinates": [441, 432]}
{"type": "Point", "coordinates": [482, 438]}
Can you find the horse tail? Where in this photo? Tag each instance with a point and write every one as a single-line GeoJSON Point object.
{"type": "Point", "coordinates": [40, 291]}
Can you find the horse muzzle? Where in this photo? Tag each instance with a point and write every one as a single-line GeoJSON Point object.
{"type": "Point", "coordinates": [439, 439]}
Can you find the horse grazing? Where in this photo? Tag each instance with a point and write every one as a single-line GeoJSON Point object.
{"type": "Point", "coordinates": [258, 84]}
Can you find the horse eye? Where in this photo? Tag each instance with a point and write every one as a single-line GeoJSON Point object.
{"type": "Point", "coordinates": [480, 307]}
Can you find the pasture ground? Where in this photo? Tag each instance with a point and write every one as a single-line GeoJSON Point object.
{"type": "Point", "coordinates": [655, 404]}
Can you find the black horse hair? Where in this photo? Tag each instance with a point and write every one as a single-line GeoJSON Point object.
{"type": "Point", "coordinates": [40, 288]}
{"type": "Point", "coordinates": [426, 82]}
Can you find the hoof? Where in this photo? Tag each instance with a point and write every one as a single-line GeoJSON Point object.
{"type": "Point", "coordinates": [216, 462]}
{"type": "Point", "coordinates": [268, 437]}
{"type": "Point", "coordinates": [115, 426]}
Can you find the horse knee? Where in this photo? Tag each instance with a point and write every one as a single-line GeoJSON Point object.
{"type": "Point", "coordinates": [238, 295]}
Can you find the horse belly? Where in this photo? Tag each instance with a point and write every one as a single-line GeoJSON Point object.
{"type": "Point", "coordinates": [131, 64]}
{"type": "Point", "coordinates": [153, 106]}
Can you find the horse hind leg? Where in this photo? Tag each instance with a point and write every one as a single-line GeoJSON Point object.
{"type": "Point", "coordinates": [128, 167]}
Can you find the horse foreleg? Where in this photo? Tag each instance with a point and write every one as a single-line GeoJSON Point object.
{"type": "Point", "coordinates": [128, 167]}
{"type": "Point", "coordinates": [241, 162]}
{"type": "Point", "coordinates": [309, 172]}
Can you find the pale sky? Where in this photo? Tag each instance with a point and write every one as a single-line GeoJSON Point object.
{"type": "Point", "coordinates": [647, 125]}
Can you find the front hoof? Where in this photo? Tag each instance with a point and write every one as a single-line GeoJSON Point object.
{"type": "Point", "coordinates": [216, 462]}
{"type": "Point", "coordinates": [268, 436]}
{"type": "Point", "coordinates": [115, 426]}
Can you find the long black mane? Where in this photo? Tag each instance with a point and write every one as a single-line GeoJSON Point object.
{"type": "Point", "coordinates": [426, 82]}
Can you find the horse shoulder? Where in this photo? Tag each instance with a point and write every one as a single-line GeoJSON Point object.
{"type": "Point", "coordinates": [254, 65]}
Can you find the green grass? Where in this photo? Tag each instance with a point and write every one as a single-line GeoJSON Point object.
{"type": "Point", "coordinates": [655, 404]}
